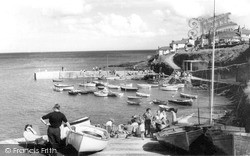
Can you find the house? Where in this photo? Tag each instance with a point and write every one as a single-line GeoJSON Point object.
{"type": "Point", "coordinates": [181, 44]}
{"type": "Point", "coordinates": [164, 50]}
{"type": "Point", "coordinates": [193, 65]}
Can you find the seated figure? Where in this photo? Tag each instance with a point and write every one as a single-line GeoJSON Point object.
{"type": "Point", "coordinates": [31, 135]}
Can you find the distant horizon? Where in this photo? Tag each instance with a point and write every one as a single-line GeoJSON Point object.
{"type": "Point", "coordinates": [77, 51]}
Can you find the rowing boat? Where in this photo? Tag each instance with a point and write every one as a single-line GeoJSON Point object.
{"type": "Point", "coordinates": [188, 102]}
{"type": "Point", "coordinates": [188, 96]}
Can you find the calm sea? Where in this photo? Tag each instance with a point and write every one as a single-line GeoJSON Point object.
{"type": "Point", "coordinates": [24, 100]}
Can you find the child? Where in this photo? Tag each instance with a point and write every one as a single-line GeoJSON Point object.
{"type": "Point", "coordinates": [142, 128]}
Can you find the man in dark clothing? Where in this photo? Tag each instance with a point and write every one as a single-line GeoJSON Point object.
{"type": "Point", "coordinates": [55, 121]}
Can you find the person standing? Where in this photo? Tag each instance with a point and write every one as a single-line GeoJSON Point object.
{"type": "Point", "coordinates": [148, 117]}
{"type": "Point", "coordinates": [55, 121]}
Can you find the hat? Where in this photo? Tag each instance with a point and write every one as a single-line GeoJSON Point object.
{"type": "Point", "coordinates": [57, 106]}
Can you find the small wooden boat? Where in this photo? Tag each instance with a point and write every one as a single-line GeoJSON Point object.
{"type": "Point", "coordinates": [179, 137]}
{"type": "Point", "coordinates": [142, 94]}
{"type": "Point", "coordinates": [113, 86]}
{"type": "Point", "coordinates": [89, 84]}
{"type": "Point", "coordinates": [188, 96]}
{"type": "Point", "coordinates": [76, 123]}
{"type": "Point", "coordinates": [188, 102]}
{"type": "Point", "coordinates": [88, 138]}
{"type": "Point", "coordinates": [134, 102]}
{"type": "Point", "coordinates": [144, 86]}
{"type": "Point", "coordinates": [159, 102]}
{"type": "Point", "coordinates": [134, 97]}
{"type": "Point", "coordinates": [126, 88]}
{"type": "Point", "coordinates": [64, 87]}
{"type": "Point", "coordinates": [101, 93]}
{"type": "Point", "coordinates": [169, 88]}
{"type": "Point", "coordinates": [57, 80]}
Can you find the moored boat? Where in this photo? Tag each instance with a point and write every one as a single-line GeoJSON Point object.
{"type": "Point", "coordinates": [169, 88]}
{"type": "Point", "coordinates": [188, 96]}
{"type": "Point", "coordinates": [88, 139]}
{"type": "Point", "coordinates": [133, 102]}
{"type": "Point", "coordinates": [159, 102]}
{"type": "Point", "coordinates": [126, 88]}
{"type": "Point", "coordinates": [178, 85]}
{"type": "Point", "coordinates": [101, 93]}
{"type": "Point", "coordinates": [142, 94]}
{"type": "Point", "coordinates": [115, 94]}
{"type": "Point", "coordinates": [74, 92]}
{"type": "Point", "coordinates": [134, 97]}
{"type": "Point", "coordinates": [64, 87]}
{"type": "Point", "coordinates": [144, 85]}
{"type": "Point", "coordinates": [111, 86]}
{"type": "Point", "coordinates": [89, 84]}
{"type": "Point", "coordinates": [188, 102]}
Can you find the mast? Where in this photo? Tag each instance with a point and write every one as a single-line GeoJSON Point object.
{"type": "Point", "coordinates": [212, 75]}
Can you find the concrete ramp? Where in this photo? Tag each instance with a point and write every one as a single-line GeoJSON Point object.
{"type": "Point", "coordinates": [169, 60]}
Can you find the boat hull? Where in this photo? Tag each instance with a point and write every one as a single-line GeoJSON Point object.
{"type": "Point", "coordinates": [182, 102]}
{"type": "Point", "coordinates": [88, 139]}
{"type": "Point", "coordinates": [179, 137]}
{"type": "Point", "coordinates": [188, 96]}
{"type": "Point", "coordinates": [125, 88]}
{"type": "Point", "coordinates": [142, 94]}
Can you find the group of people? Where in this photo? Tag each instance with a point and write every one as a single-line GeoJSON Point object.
{"type": "Point", "coordinates": [143, 125]}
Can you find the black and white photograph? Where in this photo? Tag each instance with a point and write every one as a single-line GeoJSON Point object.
{"type": "Point", "coordinates": [124, 77]}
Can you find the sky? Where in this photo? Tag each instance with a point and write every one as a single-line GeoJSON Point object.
{"type": "Point", "coordinates": [90, 25]}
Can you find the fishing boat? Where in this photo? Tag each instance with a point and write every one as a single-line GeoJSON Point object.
{"type": "Point", "coordinates": [133, 102]}
{"type": "Point", "coordinates": [169, 88]}
{"type": "Point", "coordinates": [159, 102]}
{"type": "Point", "coordinates": [188, 102]}
{"type": "Point", "coordinates": [144, 86]}
{"type": "Point", "coordinates": [88, 138]}
{"type": "Point", "coordinates": [64, 87]}
{"type": "Point", "coordinates": [127, 88]}
{"type": "Point", "coordinates": [89, 84]}
{"type": "Point", "coordinates": [142, 94]}
{"type": "Point", "coordinates": [179, 137]}
{"type": "Point", "coordinates": [101, 93]}
{"type": "Point", "coordinates": [111, 86]}
{"type": "Point", "coordinates": [188, 96]}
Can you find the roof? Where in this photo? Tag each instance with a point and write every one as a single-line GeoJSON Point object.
{"type": "Point", "coordinates": [183, 41]}
{"type": "Point", "coordinates": [165, 48]}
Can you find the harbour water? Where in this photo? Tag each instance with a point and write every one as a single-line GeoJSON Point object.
{"type": "Point", "coordinates": [24, 100]}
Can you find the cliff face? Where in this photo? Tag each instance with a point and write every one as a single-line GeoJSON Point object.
{"type": "Point", "coordinates": [223, 56]}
